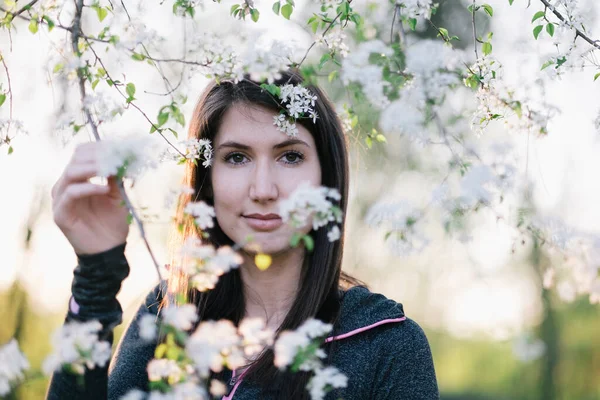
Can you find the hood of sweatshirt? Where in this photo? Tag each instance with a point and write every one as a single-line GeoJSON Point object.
{"type": "Point", "coordinates": [362, 310]}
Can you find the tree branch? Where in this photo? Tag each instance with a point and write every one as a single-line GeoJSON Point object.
{"type": "Point", "coordinates": [578, 32]}
{"type": "Point", "coordinates": [75, 32]}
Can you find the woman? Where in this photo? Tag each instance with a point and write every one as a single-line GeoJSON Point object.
{"type": "Point", "coordinates": [384, 354]}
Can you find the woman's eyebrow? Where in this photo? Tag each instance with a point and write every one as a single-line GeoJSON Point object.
{"type": "Point", "coordinates": [241, 146]}
{"type": "Point", "coordinates": [290, 142]}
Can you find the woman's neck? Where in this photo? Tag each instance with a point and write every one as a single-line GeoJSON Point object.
{"type": "Point", "coordinates": [269, 294]}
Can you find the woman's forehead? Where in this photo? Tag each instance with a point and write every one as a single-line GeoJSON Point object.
{"type": "Point", "coordinates": [253, 126]}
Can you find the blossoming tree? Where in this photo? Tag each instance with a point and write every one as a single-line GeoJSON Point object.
{"type": "Point", "coordinates": [391, 82]}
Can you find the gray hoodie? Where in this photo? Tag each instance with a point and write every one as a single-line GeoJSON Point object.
{"type": "Point", "coordinates": [384, 354]}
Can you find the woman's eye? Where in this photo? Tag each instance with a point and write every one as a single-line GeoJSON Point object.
{"type": "Point", "coordinates": [292, 157]}
{"type": "Point", "coordinates": [235, 158]}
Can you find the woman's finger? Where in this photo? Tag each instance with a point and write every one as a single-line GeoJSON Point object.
{"type": "Point", "coordinates": [71, 194]}
{"type": "Point", "coordinates": [76, 173]}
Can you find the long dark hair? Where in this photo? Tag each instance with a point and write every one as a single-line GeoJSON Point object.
{"type": "Point", "coordinates": [321, 277]}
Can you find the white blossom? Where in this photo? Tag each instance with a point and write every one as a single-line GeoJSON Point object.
{"type": "Point", "coordinates": [134, 155]}
{"type": "Point", "coordinates": [203, 212]}
{"type": "Point", "coordinates": [13, 364]}
{"type": "Point", "coordinates": [416, 8]}
{"type": "Point", "coordinates": [217, 388]}
{"type": "Point", "coordinates": [148, 327]}
{"type": "Point", "coordinates": [285, 125]}
{"type": "Point", "coordinates": [324, 380]}
{"type": "Point", "coordinates": [357, 68]}
{"type": "Point", "coordinates": [180, 317]}
{"type": "Point", "coordinates": [289, 343]}
{"type": "Point", "coordinates": [333, 234]}
{"type": "Point", "coordinates": [255, 335]}
{"type": "Point", "coordinates": [192, 149]}
{"type": "Point", "coordinates": [335, 42]}
{"type": "Point", "coordinates": [102, 107]}
{"type": "Point", "coordinates": [76, 345]}
{"type": "Point", "coordinates": [308, 202]}
{"type": "Point", "coordinates": [159, 369]}
{"type": "Point", "coordinates": [299, 102]}
{"type": "Point", "coordinates": [400, 219]}
{"type": "Point", "coordinates": [172, 194]}
{"type": "Point", "coordinates": [213, 345]}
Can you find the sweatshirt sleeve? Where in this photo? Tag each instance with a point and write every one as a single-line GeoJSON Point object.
{"type": "Point", "coordinates": [406, 370]}
{"type": "Point", "coordinates": [96, 282]}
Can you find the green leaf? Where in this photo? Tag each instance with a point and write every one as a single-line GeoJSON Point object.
{"type": "Point", "coordinates": [412, 23]}
{"type": "Point", "coordinates": [102, 13]}
{"type": "Point", "coordinates": [550, 29]}
{"type": "Point", "coordinates": [595, 77]}
{"type": "Point", "coordinates": [233, 8]}
{"type": "Point", "coordinates": [276, 7]}
{"type": "Point", "coordinates": [295, 239]}
{"type": "Point", "coordinates": [138, 57]}
{"type": "Point", "coordinates": [332, 75]}
{"type": "Point", "coordinates": [2, 99]}
{"type": "Point", "coordinates": [129, 219]}
{"type": "Point", "coordinates": [130, 90]}
{"type": "Point", "coordinates": [488, 9]}
{"type": "Point", "coordinates": [95, 83]}
{"type": "Point", "coordinates": [538, 15]}
{"type": "Point", "coordinates": [10, 149]}
{"type": "Point", "coordinates": [510, 2]}
{"type": "Point", "coordinates": [537, 30]}
{"type": "Point", "coordinates": [547, 64]}
{"type": "Point", "coordinates": [33, 26]}
{"type": "Point", "coordinates": [49, 21]}
{"type": "Point", "coordinates": [254, 14]}
{"type": "Point", "coordinates": [308, 242]}
{"type": "Point", "coordinates": [286, 11]}
{"type": "Point", "coordinates": [163, 117]}
{"type": "Point", "coordinates": [369, 142]}
{"type": "Point", "coordinates": [486, 47]}
{"type": "Point", "coordinates": [380, 138]}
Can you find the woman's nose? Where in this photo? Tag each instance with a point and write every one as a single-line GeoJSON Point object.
{"type": "Point", "coordinates": [263, 185]}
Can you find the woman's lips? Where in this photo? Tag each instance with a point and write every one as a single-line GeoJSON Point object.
{"type": "Point", "coordinates": [263, 223]}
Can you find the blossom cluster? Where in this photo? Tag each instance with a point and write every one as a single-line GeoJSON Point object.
{"type": "Point", "coordinates": [308, 202]}
{"type": "Point", "coordinates": [416, 8]}
{"type": "Point", "coordinates": [400, 219]}
{"type": "Point", "coordinates": [192, 149]}
{"type": "Point", "coordinates": [203, 213]}
{"type": "Point", "coordinates": [299, 102]}
{"type": "Point", "coordinates": [299, 350]}
{"type": "Point", "coordinates": [77, 347]}
{"type": "Point", "coordinates": [218, 344]}
{"type": "Point", "coordinates": [128, 157]}
{"type": "Point", "coordinates": [204, 265]}
{"type": "Point", "coordinates": [358, 68]}
{"type": "Point", "coordinates": [13, 364]}
{"type": "Point", "coordinates": [335, 42]}
{"type": "Point", "coordinates": [576, 266]}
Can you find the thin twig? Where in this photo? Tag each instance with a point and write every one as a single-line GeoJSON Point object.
{"type": "Point", "coordinates": [578, 32]}
{"type": "Point", "coordinates": [76, 29]}
{"type": "Point", "coordinates": [10, 94]}
{"type": "Point", "coordinates": [132, 103]}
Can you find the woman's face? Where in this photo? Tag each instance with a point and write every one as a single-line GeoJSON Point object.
{"type": "Point", "coordinates": [256, 166]}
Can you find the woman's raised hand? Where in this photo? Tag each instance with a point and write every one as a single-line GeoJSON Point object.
{"type": "Point", "coordinates": [91, 216]}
